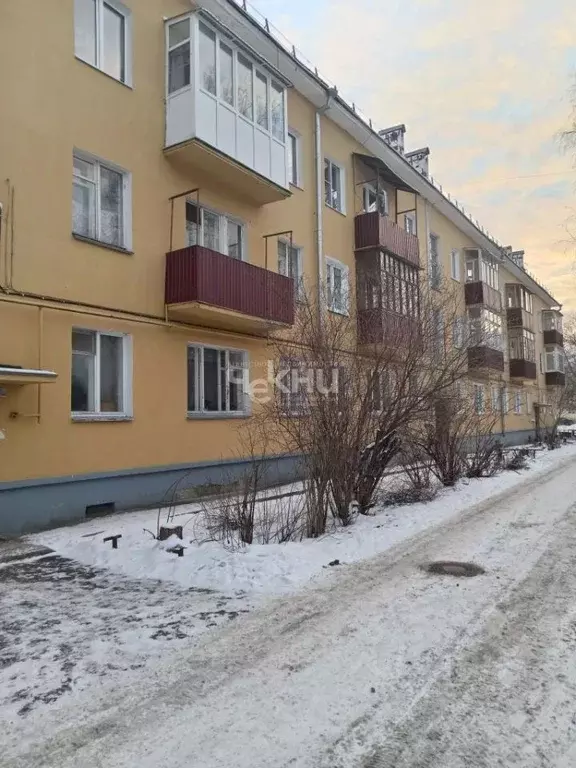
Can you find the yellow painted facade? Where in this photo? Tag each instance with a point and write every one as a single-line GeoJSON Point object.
{"type": "Point", "coordinates": [51, 282]}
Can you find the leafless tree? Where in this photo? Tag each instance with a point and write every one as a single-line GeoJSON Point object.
{"type": "Point", "coordinates": [349, 383]}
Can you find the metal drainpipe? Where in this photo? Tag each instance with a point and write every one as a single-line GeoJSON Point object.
{"type": "Point", "coordinates": [330, 93]}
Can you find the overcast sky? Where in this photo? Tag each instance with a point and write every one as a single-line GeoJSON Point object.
{"type": "Point", "coordinates": [484, 83]}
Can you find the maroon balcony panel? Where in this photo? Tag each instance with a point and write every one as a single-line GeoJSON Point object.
{"type": "Point", "coordinates": [555, 379]}
{"type": "Point", "coordinates": [373, 230]}
{"type": "Point", "coordinates": [200, 274]}
{"type": "Point", "coordinates": [484, 357]}
{"type": "Point", "coordinates": [519, 318]}
{"type": "Point", "coordinates": [522, 369]}
{"type": "Point", "coordinates": [482, 293]}
{"type": "Point", "coordinates": [553, 337]}
{"type": "Point", "coordinates": [379, 326]}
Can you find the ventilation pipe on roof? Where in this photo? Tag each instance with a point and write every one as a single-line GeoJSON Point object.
{"type": "Point", "coordinates": [330, 94]}
{"type": "Point", "coordinates": [419, 159]}
{"type": "Point", "coordinates": [394, 137]}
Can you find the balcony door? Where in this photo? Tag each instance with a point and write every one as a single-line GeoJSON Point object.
{"type": "Point", "coordinates": [215, 231]}
{"type": "Point", "coordinates": [374, 199]}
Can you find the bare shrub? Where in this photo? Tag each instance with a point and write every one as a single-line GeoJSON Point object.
{"type": "Point", "coordinates": [485, 454]}
{"type": "Point", "coordinates": [408, 494]}
{"type": "Point", "coordinates": [416, 464]}
{"type": "Point", "coordinates": [459, 438]}
{"type": "Point", "coordinates": [516, 461]}
{"type": "Point", "coordinates": [350, 383]}
{"type": "Point", "coordinates": [442, 442]}
{"type": "Point", "coordinates": [280, 520]}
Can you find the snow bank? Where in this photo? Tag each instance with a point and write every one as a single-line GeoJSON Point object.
{"type": "Point", "coordinates": [270, 569]}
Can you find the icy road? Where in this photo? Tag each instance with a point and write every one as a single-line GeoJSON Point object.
{"type": "Point", "coordinates": [386, 666]}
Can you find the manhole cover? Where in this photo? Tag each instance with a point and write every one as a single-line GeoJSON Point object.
{"type": "Point", "coordinates": [452, 568]}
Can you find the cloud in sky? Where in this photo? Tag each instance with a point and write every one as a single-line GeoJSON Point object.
{"type": "Point", "coordinates": [483, 83]}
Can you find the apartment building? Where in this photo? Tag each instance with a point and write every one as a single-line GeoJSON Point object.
{"type": "Point", "coordinates": [173, 180]}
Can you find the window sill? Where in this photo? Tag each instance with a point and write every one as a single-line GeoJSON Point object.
{"type": "Point", "coordinates": [102, 244]}
{"type": "Point", "coordinates": [101, 71]}
{"type": "Point", "coordinates": [336, 210]}
{"type": "Point", "coordinates": [341, 312]}
{"type": "Point", "coordinates": [81, 417]}
{"type": "Point", "coordinates": [218, 415]}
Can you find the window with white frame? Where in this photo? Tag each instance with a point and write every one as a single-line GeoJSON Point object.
{"type": "Point", "coordinates": [295, 386]}
{"type": "Point", "coordinates": [521, 344]}
{"type": "Point", "coordinates": [290, 264]}
{"type": "Point", "coordinates": [178, 55]}
{"type": "Point", "coordinates": [215, 231]}
{"type": "Point", "coordinates": [551, 320]}
{"type": "Point", "coordinates": [207, 58]}
{"type": "Point", "coordinates": [517, 403]}
{"type": "Point", "coordinates": [334, 186]}
{"type": "Point", "coordinates": [459, 332]}
{"type": "Point", "coordinates": [374, 199]}
{"type": "Point", "coordinates": [101, 373]}
{"type": "Point", "coordinates": [485, 328]}
{"type": "Point", "coordinates": [517, 297]}
{"type": "Point", "coordinates": [496, 399]}
{"type": "Point", "coordinates": [102, 36]}
{"type": "Point", "coordinates": [435, 263]}
{"type": "Point", "coordinates": [553, 359]}
{"type": "Point", "coordinates": [101, 202]}
{"type": "Point", "coordinates": [410, 223]}
{"type": "Point", "coordinates": [337, 286]}
{"type": "Point", "coordinates": [277, 111]}
{"type": "Point", "coordinates": [481, 267]}
{"type": "Point", "coordinates": [392, 285]}
{"type": "Point", "coordinates": [217, 380]}
{"type": "Point", "coordinates": [479, 403]}
{"type": "Point", "coordinates": [293, 153]}
{"type": "Point", "coordinates": [455, 264]}
{"type": "Point", "coordinates": [505, 402]}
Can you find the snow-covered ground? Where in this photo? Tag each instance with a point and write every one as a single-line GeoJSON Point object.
{"type": "Point", "coordinates": [270, 569]}
{"type": "Point", "coordinates": [376, 664]}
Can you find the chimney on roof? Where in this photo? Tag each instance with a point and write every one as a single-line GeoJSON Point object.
{"type": "Point", "coordinates": [516, 256]}
{"type": "Point", "coordinates": [394, 137]}
{"type": "Point", "coordinates": [418, 158]}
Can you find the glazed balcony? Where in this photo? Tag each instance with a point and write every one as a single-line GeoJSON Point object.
{"type": "Point", "coordinates": [225, 111]}
{"type": "Point", "coordinates": [483, 358]}
{"type": "Point", "coordinates": [479, 292]}
{"type": "Point", "coordinates": [218, 291]}
{"type": "Point", "coordinates": [552, 327]}
{"type": "Point", "coordinates": [373, 230]}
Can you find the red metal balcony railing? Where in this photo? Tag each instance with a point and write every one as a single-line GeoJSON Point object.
{"type": "Point", "coordinates": [372, 230]}
{"type": "Point", "coordinates": [198, 274]}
